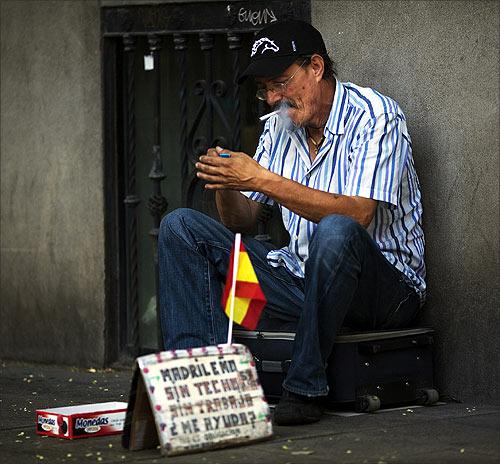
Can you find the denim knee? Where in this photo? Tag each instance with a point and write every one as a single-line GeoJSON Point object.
{"type": "Point", "coordinates": [337, 227]}
{"type": "Point", "coordinates": [176, 220]}
{"type": "Point", "coordinates": [334, 236]}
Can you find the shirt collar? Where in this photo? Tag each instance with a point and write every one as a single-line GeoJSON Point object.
{"type": "Point", "coordinates": [335, 123]}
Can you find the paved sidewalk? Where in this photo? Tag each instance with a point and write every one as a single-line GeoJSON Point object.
{"type": "Point", "coordinates": [461, 433]}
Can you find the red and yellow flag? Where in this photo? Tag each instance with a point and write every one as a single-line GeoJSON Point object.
{"type": "Point", "coordinates": [249, 299]}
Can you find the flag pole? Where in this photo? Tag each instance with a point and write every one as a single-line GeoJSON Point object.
{"type": "Point", "coordinates": [236, 256]}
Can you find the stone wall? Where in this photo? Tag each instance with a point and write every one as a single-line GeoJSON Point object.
{"type": "Point", "coordinates": [439, 60]}
{"type": "Point", "coordinates": [52, 213]}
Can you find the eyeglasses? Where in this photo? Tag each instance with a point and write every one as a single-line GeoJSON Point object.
{"type": "Point", "coordinates": [277, 87]}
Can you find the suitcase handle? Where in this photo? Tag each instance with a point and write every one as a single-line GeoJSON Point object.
{"type": "Point", "coordinates": [272, 366]}
{"type": "Point", "coordinates": [369, 348]}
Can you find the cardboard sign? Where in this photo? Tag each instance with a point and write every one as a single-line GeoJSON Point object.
{"type": "Point", "coordinates": [194, 400]}
{"type": "Point", "coordinates": [87, 420]}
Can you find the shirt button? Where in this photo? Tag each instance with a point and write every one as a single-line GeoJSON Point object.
{"type": "Point", "coordinates": [308, 176]}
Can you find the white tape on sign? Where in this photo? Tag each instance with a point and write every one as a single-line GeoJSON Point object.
{"type": "Point", "coordinates": [149, 63]}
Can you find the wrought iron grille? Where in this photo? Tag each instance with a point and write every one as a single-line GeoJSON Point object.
{"type": "Point", "coordinates": [170, 74]}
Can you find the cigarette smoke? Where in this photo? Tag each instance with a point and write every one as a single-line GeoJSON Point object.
{"type": "Point", "coordinates": [283, 106]}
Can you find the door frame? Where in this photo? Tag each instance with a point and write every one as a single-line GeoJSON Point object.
{"type": "Point", "coordinates": [117, 23]}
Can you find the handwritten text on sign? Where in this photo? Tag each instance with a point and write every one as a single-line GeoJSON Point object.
{"type": "Point", "coordinates": [205, 397]}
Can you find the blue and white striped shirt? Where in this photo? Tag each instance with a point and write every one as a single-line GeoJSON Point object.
{"type": "Point", "coordinates": [367, 152]}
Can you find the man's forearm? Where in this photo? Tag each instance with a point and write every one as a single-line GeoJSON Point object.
{"type": "Point", "coordinates": [241, 173]}
{"type": "Point", "coordinates": [236, 211]}
{"type": "Point", "coordinates": [314, 204]}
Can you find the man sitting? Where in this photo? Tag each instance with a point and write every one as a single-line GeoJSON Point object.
{"type": "Point", "coordinates": [338, 161]}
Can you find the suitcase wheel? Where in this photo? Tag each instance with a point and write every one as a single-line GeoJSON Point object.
{"type": "Point", "coordinates": [367, 403]}
{"type": "Point", "coordinates": [428, 396]}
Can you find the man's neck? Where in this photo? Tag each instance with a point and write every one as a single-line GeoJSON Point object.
{"type": "Point", "coordinates": [327, 93]}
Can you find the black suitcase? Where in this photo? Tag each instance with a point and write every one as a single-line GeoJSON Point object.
{"type": "Point", "coordinates": [367, 370]}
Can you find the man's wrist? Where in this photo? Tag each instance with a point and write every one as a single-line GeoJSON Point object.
{"type": "Point", "coordinates": [265, 180]}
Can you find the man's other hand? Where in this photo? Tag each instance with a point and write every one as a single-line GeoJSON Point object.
{"type": "Point", "coordinates": [226, 169]}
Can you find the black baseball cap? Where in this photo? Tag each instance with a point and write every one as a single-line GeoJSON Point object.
{"type": "Point", "coordinates": [278, 45]}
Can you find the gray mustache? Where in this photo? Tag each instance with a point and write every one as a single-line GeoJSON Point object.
{"type": "Point", "coordinates": [283, 105]}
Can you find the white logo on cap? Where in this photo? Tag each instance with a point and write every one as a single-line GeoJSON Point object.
{"type": "Point", "coordinates": [268, 44]}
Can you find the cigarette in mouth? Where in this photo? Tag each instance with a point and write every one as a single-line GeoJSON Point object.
{"type": "Point", "coordinates": [265, 117]}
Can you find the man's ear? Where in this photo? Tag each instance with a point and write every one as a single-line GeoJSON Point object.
{"type": "Point", "coordinates": [317, 66]}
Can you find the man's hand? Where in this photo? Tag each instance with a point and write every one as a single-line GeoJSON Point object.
{"type": "Point", "coordinates": [237, 171]}
{"type": "Point", "coordinates": [228, 172]}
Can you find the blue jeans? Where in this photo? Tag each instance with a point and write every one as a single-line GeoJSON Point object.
{"type": "Point", "coordinates": [348, 281]}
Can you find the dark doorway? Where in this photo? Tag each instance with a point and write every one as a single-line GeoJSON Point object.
{"type": "Point", "coordinates": [170, 92]}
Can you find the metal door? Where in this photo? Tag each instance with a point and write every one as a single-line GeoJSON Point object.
{"type": "Point", "coordinates": [170, 92]}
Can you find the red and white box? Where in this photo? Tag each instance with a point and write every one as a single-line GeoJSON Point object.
{"type": "Point", "coordinates": [86, 420]}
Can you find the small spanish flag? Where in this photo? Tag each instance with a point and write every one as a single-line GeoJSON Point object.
{"type": "Point", "coordinates": [249, 300]}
